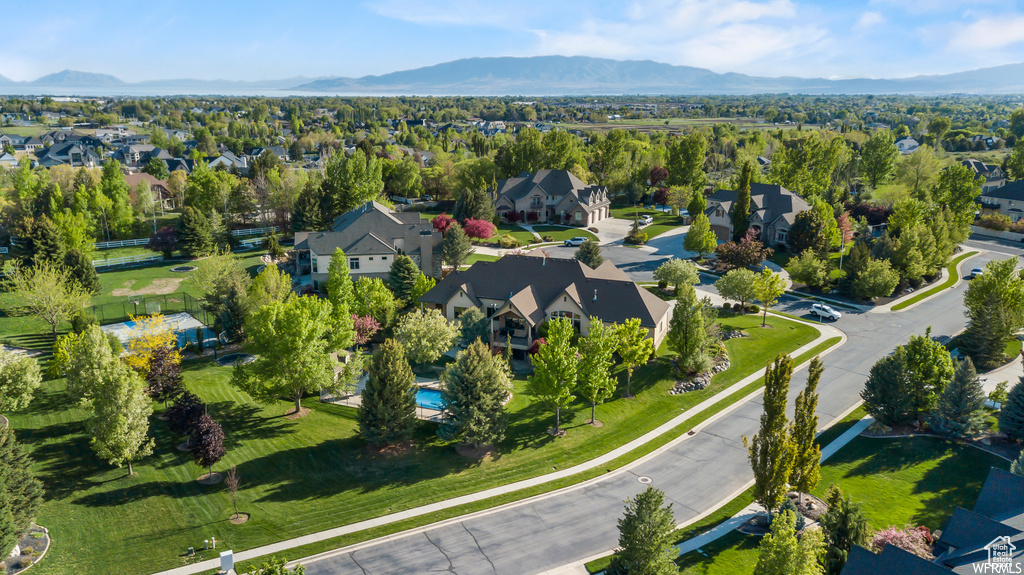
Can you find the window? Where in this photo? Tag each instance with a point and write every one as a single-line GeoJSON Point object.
{"type": "Point", "coordinates": [781, 236]}
{"type": "Point", "coordinates": [719, 213]}
{"type": "Point", "coordinates": [535, 202]}
{"type": "Point", "coordinates": [383, 258]}
{"type": "Point", "coordinates": [371, 258]}
{"type": "Point", "coordinates": [575, 317]}
{"type": "Point", "coordinates": [459, 311]}
{"type": "Point", "coordinates": [313, 265]}
{"type": "Point", "coordinates": [353, 263]}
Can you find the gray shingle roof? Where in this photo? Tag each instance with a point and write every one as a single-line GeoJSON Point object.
{"type": "Point", "coordinates": [555, 183]}
{"type": "Point", "coordinates": [369, 229]}
{"type": "Point", "coordinates": [770, 201]}
{"type": "Point", "coordinates": [1011, 191]}
{"type": "Point", "coordinates": [533, 283]}
{"type": "Point", "coordinates": [890, 561]}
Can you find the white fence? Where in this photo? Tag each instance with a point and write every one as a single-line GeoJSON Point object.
{"type": "Point", "coordinates": [121, 243]}
{"type": "Point", "coordinates": [127, 260]}
{"type": "Point", "coordinates": [255, 231]}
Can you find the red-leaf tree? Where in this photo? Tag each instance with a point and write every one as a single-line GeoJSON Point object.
{"type": "Point", "coordinates": [479, 229]}
{"type": "Point", "coordinates": [184, 413]}
{"type": "Point", "coordinates": [207, 443]}
{"type": "Point", "coordinates": [164, 375]}
{"type": "Point", "coordinates": [442, 222]}
{"type": "Point", "coordinates": [657, 175]}
{"type": "Point", "coordinates": [365, 327]}
{"type": "Point", "coordinates": [165, 241]}
{"type": "Point", "coordinates": [747, 252]}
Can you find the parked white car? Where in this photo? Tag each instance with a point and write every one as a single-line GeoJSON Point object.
{"type": "Point", "coordinates": [976, 272]}
{"type": "Point", "coordinates": [825, 312]}
{"type": "Point", "coordinates": [575, 242]}
{"type": "Point", "coordinates": [646, 220]}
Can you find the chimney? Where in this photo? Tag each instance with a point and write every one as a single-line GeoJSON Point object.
{"type": "Point", "coordinates": [595, 295]}
{"type": "Point", "coordinates": [427, 252]}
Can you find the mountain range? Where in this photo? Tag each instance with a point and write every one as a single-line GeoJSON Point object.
{"type": "Point", "coordinates": [539, 76]}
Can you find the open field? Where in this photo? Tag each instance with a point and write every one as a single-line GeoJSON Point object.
{"type": "Point", "coordinates": [308, 474]}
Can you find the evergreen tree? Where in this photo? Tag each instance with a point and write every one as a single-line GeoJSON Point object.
{"type": "Point", "coordinates": [307, 215]}
{"type": "Point", "coordinates": [887, 392]}
{"type": "Point", "coordinates": [23, 492]}
{"type": "Point", "coordinates": [388, 414]}
{"type": "Point", "coordinates": [739, 216]}
{"type": "Point", "coordinates": [960, 411]}
{"type": "Point", "coordinates": [82, 271]}
{"type": "Point", "coordinates": [9, 532]}
{"type": "Point", "coordinates": [206, 443]}
{"type": "Point", "coordinates": [807, 454]}
{"type": "Point", "coordinates": [42, 244]}
{"type": "Point", "coordinates": [1017, 467]}
{"type": "Point", "coordinates": [473, 392]}
{"type": "Point", "coordinates": [589, 253]}
{"type": "Point", "coordinates": [1011, 416]}
{"type": "Point", "coordinates": [645, 537]}
{"type": "Point", "coordinates": [771, 450]}
{"type": "Point", "coordinates": [455, 247]}
{"type": "Point", "coordinates": [686, 334]}
{"type": "Point", "coordinates": [698, 203]}
{"type": "Point", "coordinates": [473, 326]}
{"type": "Point", "coordinates": [782, 553]}
{"type": "Point", "coordinates": [340, 292]}
{"type": "Point", "coordinates": [232, 313]}
{"type": "Point", "coordinates": [983, 341]}
{"type": "Point", "coordinates": [844, 526]}
{"type": "Point", "coordinates": [473, 204]}
{"type": "Point", "coordinates": [509, 354]}
{"type": "Point", "coordinates": [700, 238]}
{"type": "Point", "coordinates": [555, 369]}
{"type": "Point", "coordinates": [195, 236]}
{"type": "Point", "coordinates": [597, 349]}
{"type": "Point", "coordinates": [402, 277]}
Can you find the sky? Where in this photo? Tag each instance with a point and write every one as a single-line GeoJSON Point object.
{"type": "Point", "coordinates": [260, 39]}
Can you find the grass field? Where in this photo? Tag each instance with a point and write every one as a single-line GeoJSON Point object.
{"type": "Point", "coordinates": [663, 221]}
{"type": "Point", "coordinates": [916, 480]}
{"type": "Point", "coordinates": [301, 476]}
{"type": "Point", "coordinates": [562, 233]}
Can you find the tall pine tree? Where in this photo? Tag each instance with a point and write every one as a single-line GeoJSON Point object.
{"type": "Point", "coordinates": [195, 235]}
{"type": "Point", "coordinates": [771, 450]}
{"type": "Point", "coordinates": [24, 492]}
{"type": "Point", "coordinates": [645, 536]}
{"type": "Point", "coordinates": [388, 413]}
{"type": "Point", "coordinates": [844, 526]}
{"type": "Point", "coordinates": [960, 410]}
{"type": "Point", "coordinates": [807, 455]}
{"type": "Point", "coordinates": [455, 247]}
{"type": "Point", "coordinates": [402, 277]}
{"type": "Point", "coordinates": [887, 392]}
{"type": "Point", "coordinates": [1011, 417]}
{"type": "Point", "coordinates": [473, 392]}
{"type": "Point", "coordinates": [739, 216]}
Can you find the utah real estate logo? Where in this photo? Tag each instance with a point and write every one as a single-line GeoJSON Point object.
{"type": "Point", "coordinates": [1000, 557]}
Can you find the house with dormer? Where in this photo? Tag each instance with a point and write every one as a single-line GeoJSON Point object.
{"type": "Point", "coordinates": [371, 236]}
{"type": "Point", "coordinates": [551, 196]}
{"type": "Point", "coordinates": [773, 211]}
{"type": "Point", "coordinates": [519, 293]}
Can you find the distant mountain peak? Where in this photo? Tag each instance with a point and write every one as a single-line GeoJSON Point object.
{"type": "Point", "coordinates": [78, 79]}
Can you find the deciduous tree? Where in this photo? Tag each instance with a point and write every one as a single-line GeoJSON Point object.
{"type": "Point", "coordinates": [738, 285]}
{"type": "Point", "coordinates": [47, 292]}
{"type": "Point", "coordinates": [878, 157]}
{"type": "Point", "coordinates": [120, 424]}
{"type": "Point", "coordinates": [930, 370]}
{"type": "Point", "coordinates": [686, 334]}
{"type": "Point", "coordinates": [370, 297]}
{"type": "Point", "coordinates": [635, 347]}
{"type": "Point", "coordinates": [206, 443]}
{"type": "Point", "coordinates": [455, 247]}
{"type": "Point", "coordinates": [699, 238]}
{"type": "Point", "coordinates": [771, 450]}
{"type": "Point", "coordinates": [769, 287]}
{"type": "Point", "coordinates": [19, 379]}
{"type": "Point", "coordinates": [597, 349]}
{"type": "Point", "coordinates": [782, 553]}
{"type": "Point", "coordinates": [473, 326]}
{"type": "Point", "coordinates": [426, 335]}
{"type": "Point", "coordinates": [676, 273]}
{"type": "Point", "coordinates": [555, 368]}
{"type": "Point", "coordinates": [739, 215]}
{"type": "Point", "coordinates": [807, 455]}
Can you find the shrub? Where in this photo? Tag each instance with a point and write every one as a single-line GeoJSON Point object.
{"type": "Point", "coordinates": [25, 562]}
{"type": "Point", "coordinates": [507, 242]}
{"type": "Point", "coordinates": [593, 229]}
{"type": "Point", "coordinates": [727, 305]}
{"type": "Point", "coordinates": [662, 284]}
{"type": "Point", "coordinates": [908, 538]}
{"type": "Point", "coordinates": [754, 308]}
{"type": "Point", "coordinates": [997, 222]}
{"type": "Point", "coordinates": [547, 238]}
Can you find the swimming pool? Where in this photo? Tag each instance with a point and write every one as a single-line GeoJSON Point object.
{"type": "Point", "coordinates": [428, 398]}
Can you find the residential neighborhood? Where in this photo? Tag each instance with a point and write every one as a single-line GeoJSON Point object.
{"type": "Point", "coordinates": [603, 289]}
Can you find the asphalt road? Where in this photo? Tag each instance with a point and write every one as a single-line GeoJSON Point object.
{"type": "Point", "coordinates": [694, 474]}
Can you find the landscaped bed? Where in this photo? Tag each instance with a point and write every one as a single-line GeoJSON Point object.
{"type": "Point", "coordinates": [301, 476]}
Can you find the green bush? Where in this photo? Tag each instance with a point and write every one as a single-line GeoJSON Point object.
{"type": "Point", "coordinates": [727, 305]}
{"type": "Point", "coordinates": [507, 242]}
{"type": "Point", "coordinates": [754, 308]}
{"type": "Point", "coordinates": [662, 284]}
{"type": "Point", "coordinates": [547, 238]}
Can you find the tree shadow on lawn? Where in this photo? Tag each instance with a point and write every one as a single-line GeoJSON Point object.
{"type": "Point", "coordinates": [346, 465]}
{"type": "Point", "coordinates": [955, 481]}
{"type": "Point", "coordinates": [64, 462]}
{"type": "Point", "coordinates": [873, 456]}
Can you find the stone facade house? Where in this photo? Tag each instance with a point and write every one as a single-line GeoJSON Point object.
{"type": "Point", "coordinates": [773, 210]}
{"type": "Point", "coordinates": [551, 196]}
{"type": "Point", "coordinates": [518, 293]}
{"type": "Point", "coordinates": [371, 236]}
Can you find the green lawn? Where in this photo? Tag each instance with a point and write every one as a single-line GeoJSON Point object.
{"type": "Point", "coordinates": [473, 258]}
{"type": "Point", "coordinates": [300, 476]}
{"type": "Point", "coordinates": [524, 236]}
{"type": "Point", "coordinates": [663, 221]}
{"type": "Point", "coordinates": [562, 233]}
{"type": "Point", "coordinates": [951, 277]}
{"type": "Point", "coordinates": [916, 480]}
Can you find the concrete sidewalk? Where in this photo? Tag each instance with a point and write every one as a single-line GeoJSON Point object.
{"type": "Point", "coordinates": [825, 332]}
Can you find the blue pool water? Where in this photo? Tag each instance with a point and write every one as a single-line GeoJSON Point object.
{"type": "Point", "coordinates": [428, 398]}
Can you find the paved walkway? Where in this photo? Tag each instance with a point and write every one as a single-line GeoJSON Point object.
{"type": "Point", "coordinates": [825, 332]}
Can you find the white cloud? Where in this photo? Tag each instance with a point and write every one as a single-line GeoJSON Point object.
{"type": "Point", "coordinates": [458, 12]}
{"type": "Point", "coordinates": [723, 35]}
{"type": "Point", "coordinates": [869, 20]}
{"type": "Point", "coordinates": [988, 34]}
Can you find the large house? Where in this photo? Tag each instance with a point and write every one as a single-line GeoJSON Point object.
{"type": "Point", "coordinates": [907, 145]}
{"type": "Point", "coordinates": [1007, 200]}
{"type": "Point", "coordinates": [773, 210]}
{"type": "Point", "coordinates": [987, 539]}
{"type": "Point", "coordinates": [993, 174]}
{"type": "Point", "coordinates": [555, 196]}
{"type": "Point", "coordinates": [371, 236]}
{"type": "Point", "coordinates": [140, 154]}
{"type": "Point", "coordinates": [161, 193]}
{"type": "Point", "coordinates": [520, 292]}
{"type": "Point", "coordinates": [73, 153]}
